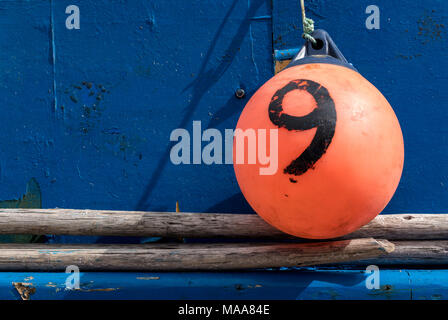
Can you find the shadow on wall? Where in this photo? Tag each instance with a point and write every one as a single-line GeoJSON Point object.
{"type": "Point", "coordinates": [229, 205]}
{"type": "Point", "coordinates": [207, 77]}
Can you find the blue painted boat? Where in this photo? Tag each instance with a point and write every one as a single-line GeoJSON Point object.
{"type": "Point", "coordinates": [266, 285]}
{"type": "Point", "coordinates": [87, 115]}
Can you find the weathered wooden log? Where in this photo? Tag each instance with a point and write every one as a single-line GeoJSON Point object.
{"type": "Point", "coordinates": [199, 225]}
{"type": "Point", "coordinates": [176, 257]}
{"type": "Point", "coordinates": [131, 223]}
{"type": "Point", "coordinates": [156, 257]}
{"type": "Point", "coordinates": [406, 227]}
{"type": "Point", "coordinates": [413, 253]}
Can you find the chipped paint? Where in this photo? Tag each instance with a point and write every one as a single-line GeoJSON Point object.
{"type": "Point", "coordinates": [25, 290]}
{"type": "Point", "coordinates": [387, 291]}
{"type": "Point", "coordinates": [280, 65]}
{"type": "Point", "coordinates": [63, 252]}
{"type": "Point", "coordinates": [430, 27]}
{"type": "Point", "coordinates": [31, 199]}
{"type": "Point", "coordinates": [51, 285]}
{"type": "Point", "coordinates": [302, 284]}
{"type": "Point", "coordinates": [85, 106]}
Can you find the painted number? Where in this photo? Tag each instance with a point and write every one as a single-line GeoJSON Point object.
{"type": "Point", "coordinates": [323, 117]}
{"type": "Point", "coordinates": [373, 20]}
{"type": "Point", "coordinates": [73, 20]}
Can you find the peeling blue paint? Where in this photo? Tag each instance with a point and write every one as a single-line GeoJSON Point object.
{"type": "Point", "coordinates": [286, 54]}
{"type": "Point", "coordinates": [31, 199]}
{"type": "Point", "coordinates": [269, 285]}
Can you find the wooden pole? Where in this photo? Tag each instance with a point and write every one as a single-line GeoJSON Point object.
{"type": "Point", "coordinates": [408, 253]}
{"type": "Point", "coordinates": [178, 257]}
{"type": "Point", "coordinates": [200, 225]}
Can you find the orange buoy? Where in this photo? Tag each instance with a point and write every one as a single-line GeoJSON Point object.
{"type": "Point", "coordinates": [340, 146]}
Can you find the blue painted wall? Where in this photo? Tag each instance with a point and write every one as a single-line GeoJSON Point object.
{"type": "Point", "coordinates": [89, 112]}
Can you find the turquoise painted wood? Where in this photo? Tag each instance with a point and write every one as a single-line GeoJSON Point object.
{"type": "Point", "coordinates": [271, 285]}
{"type": "Point", "coordinates": [88, 114]}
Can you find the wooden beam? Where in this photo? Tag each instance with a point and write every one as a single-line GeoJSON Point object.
{"type": "Point", "coordinates": [199, 225]}
{"type": "Point", "coordinates": [177, 257]}
{"type": "Point", "coordinates": [408, 253]}
{"type": "Point", "coordinates": [406, 227]}
{"type": "Point", "coordinates": [131, 223]}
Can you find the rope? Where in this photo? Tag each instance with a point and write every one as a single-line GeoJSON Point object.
{"type": "Point", "coordinates": [308, 25]}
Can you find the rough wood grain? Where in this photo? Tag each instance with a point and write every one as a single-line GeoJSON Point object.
{"type": "Point", "coordinates": [406, 227]}
{"type": "Point", "coordinates": [199, 225]}
{"type": "Point", "coordinates": [413, 253]}
{"type": "Point", "coordinates": [177, 257]}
